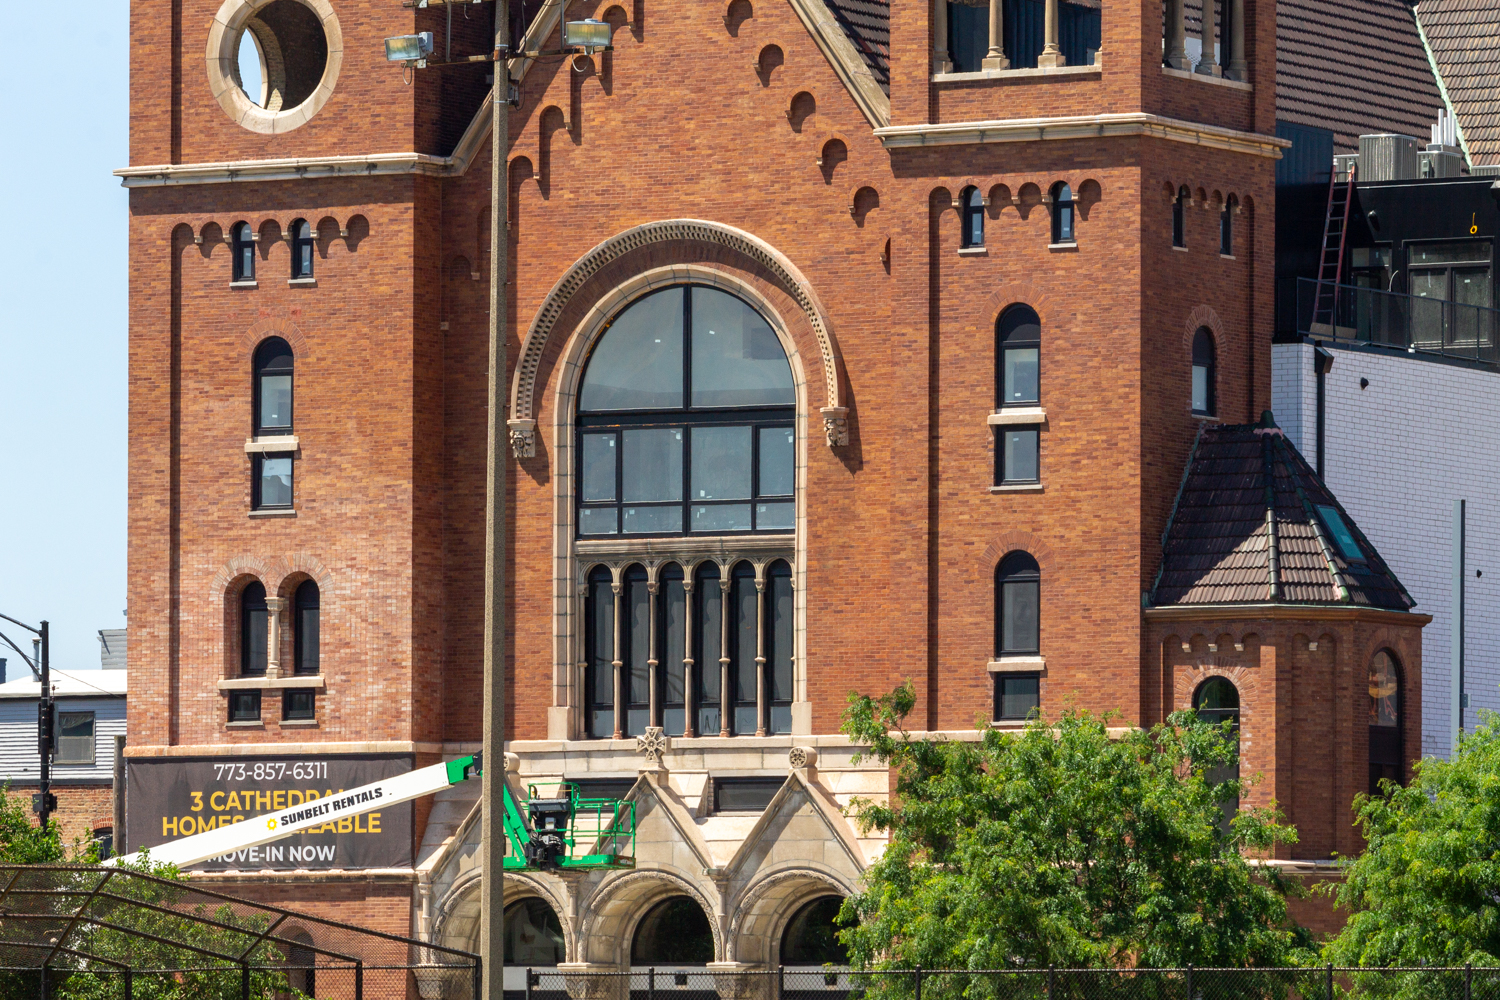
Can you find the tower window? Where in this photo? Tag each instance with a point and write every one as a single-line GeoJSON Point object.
{"type": "Point", "coordinates": [302, 250]}
{"type": "Point", "coordinates": [1179, 217]}
{"type": "Point", "coordinates": [1217, 701]}
{"type": "Point", "coordinates": [973, 218]}
{"type": "Point", "coordinates": [1385, 720]}
{"type": "Point", "coordinates": [1226, 227]}
{"type": "Point", "coordinates": [242, 245]}
{"type": "Point", "coordinates": [1018, 584]}
{"type": "Point", "coordinates": [254, 626]}
{"type": "Point", "coordinates": [271, 482]}
{"type": "Point", "coordinates": [305, 612]}
{"type": "Point", "coordinates": [1205, 403]}
{"type": "Point", "coordinates": [1062, 214]}
{"type": "Point", "coordinates": [273, 387]}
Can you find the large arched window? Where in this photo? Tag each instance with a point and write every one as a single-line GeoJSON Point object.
{"type": "Point", "coordinates": [273, 387]}
{"type": "Point", "coordinates": [1018, 585]}
{"type": "Point", "coordinates": [972, 203]}
{"type": "Point", "coordinates": [1385, 720]}
{"type": "Point", "coordinates": [1218, 701]}
{"type": "Point", "coordinates": [533, 935]}
{"type": "Point", "coordinates": [242, 247]}
{"type": "Point", "coordinates": [811, 936]}
{"type": "Point", "coordinates": [302, 250]}
{"type": "Point", "coordinates": [673, 932]}
{"type": "Point", "coordinates": [686, 421]}
{"type": "Point", "coordinates": [1205, 373]}
{"type": "Point", "coordinates": [1062, 214]}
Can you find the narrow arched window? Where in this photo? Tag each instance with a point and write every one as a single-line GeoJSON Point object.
{"type": "Point", "coordinates": [302, 250]}
{"type": "Point", "coordinates": [671, 651]}
{"type": "Point", "coordinates": [1218, 701]}
{"type": "Point", "coordinates": [708, 644]}
{"type": "Point", "coordinates": [1179, 217]}
{"type": "Point", "coordinates": [1205, 373]}
{"type": "Point", "coordinates": [273, 387]}
{"type": "Point", "coordinates": [972, 203]}
{"type": "Point", "coordinates": [779, 654]}
{"type": "Point", "coordinates": [254, 629]}
{"type": "Point", "coordinates": [1018, 347]}
{"type": "Point", "coordinates": [242, 246]}
{"type": "Point", "coordinates": [1226, 227]}
{"type": "Point", "coordinates": [599, 654]}
{"type": "Point", "coordinates": [1018, 583]}
{"type": "Point", "coordinates": [635, 650]}
{"type": "Point", "coordinates": [1062, 214]}
{"type": "Point", "coordinates": [1385, 720]}
{"type": "Point", "coordinates": [306, 615]}
{"type": "Point", "coordinates": [744, 628]}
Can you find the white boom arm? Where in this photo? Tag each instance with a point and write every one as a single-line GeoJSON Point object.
{"type": "Point", "coordinates": [273, 826]}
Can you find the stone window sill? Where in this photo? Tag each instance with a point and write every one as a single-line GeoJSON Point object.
{"type": "Point", "coordinates": [272, 683]}
{"type": "Point", "coordinates": [1018, 415]}
{"type": "Point", "coordinates": [1018, 74]}
{"type": "Point", "coordinates": [256, 724]}
{"type": "Point", "coordinates": [1063, 247]}
{"type": "Point", "coordinates": [302, 282]}
{"type": "Point", "coordinates": [1226, 256]}
{"type": "Point", "coordinates": [1018, 665]}
{"type": "Point", "coordinates": [274, 513]}
{"type": "Point", "coordinates": [1019, 488]}
{"type": "Point", "coordinates": [973, 251]}
{"type": "Point", "coordinates": [301, 723]}
{"type": "Point", "coordinates": [243, 284]}
{"type": "Point", "coordinates": [1207, 418]}
{"type": "Point", "coordinates": [1176, 247]}
{"type": "Point", "coordinates": [279, 442]}
{"type": "Point", "coordinates": [1218, 81]}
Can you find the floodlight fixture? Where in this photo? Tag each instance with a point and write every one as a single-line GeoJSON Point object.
{"type": "Point", "coordinates": [409, 49]}
{"type": "Point", "coordinates": [590, 35]}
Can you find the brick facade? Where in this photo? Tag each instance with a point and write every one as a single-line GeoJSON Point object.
{"type": "Point", "coordinates": [83, 811]}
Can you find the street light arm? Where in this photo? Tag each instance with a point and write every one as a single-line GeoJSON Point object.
{"type": "Point", "coordinates": [26, 659]}
{"type": "Point", "coordinates": [34, 631]}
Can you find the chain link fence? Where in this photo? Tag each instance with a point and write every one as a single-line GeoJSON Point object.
{"type": "Point", "coordinates": [829, 983]}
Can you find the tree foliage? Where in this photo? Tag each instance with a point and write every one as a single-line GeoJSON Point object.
{"type": "Point", "coordinates": [1065, 844]}
{"type": "Point", "coordinates": [1426, 890]}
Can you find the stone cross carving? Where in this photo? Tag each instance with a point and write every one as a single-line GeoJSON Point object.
{"type": "Point", "coordinates": [654, 744]}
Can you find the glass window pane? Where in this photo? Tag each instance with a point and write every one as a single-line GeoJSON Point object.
{"type": "Point", "coordinates": [674, 639]}
{"type": "Point", "coordinates": [1020, 612]}
{"type": "Point", "coordinates": [744, 599]}
{"type": "Point", "coordinates": [598, 521]}
{"type": "Point", "coordinates": [775, 516]}
{"type": "Point", "coordinates": [1429, 284]}
{"type": "Point", "coordinates": [778, 461]}
{"type": "Point", "coordinates": [1021, 455]}
{"type": "Point", "coordinates": [737, 358]}
{"type": "Point", "coordinates": [298, 705]}
{"type": "Point", "coordinates": [600, 652]}
{"type": "Point", "coordinates": [651, 464]}
{"type": "Point", "coordinates": [1200, 389]}
{"type": "Point", "coordinates": [1021, 375]}
{"type": "Point", "coordinates": [1384, 691]}
{"type": "Point", "coordinates": [779, 632]}
{"type": "Point", "coordinates": [637, 649]}
{"type": "Point", "coordinates": [1471, 286]}
{"type": "Point", "coordinates": [1342, 536]}
{"type": "Point", "coordinates": [1446, 253]}
{"type": "Point", "coordinates": [637, 363]}
{"type": "Point", "coordinates": [598, 467]}
{"type": "Point", "coordinates": [276, 481]}
{"type": "Point", "coordinates": [307, 641]}
{"type": "Point", "coordinates": [721, 463]}
{"type": "Point", "coordinates": [253, 636]}
{"type": "Point", "coordinates": [640, 520]}
{"type": "Point", "coordinates": [707, 636]}
{"type": "Point", "coordinates": [1019, 696]}
{"type": "Point", "coordinates": [722, 517]}
{"type": "Point", "coordinates": [275, 401]}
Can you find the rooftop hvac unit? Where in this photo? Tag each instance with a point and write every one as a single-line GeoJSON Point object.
{"type": "Point", "coordinates": [1387, 157]}
{"type": "Point", "coordinates": [1440, 161]}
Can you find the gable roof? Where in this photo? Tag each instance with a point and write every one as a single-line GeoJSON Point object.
{"type": "Point", "coordinates": [1464, 39]}
{"type": "Point", "coordinates": [868, 25]}
{"type": "Point", "coordinates": [1354, 67]}
{"type": "Point", "coordinates": [1246, 529]}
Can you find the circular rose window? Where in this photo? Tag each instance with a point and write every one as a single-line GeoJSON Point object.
{"type": "Point", "coordinates": [272, 63]}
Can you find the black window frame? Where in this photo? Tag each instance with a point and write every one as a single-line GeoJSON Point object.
{"type": "Point", "coordinates": [999, 694]}
{"type": "Point", "coordinates": [1018, 328]}
{"type": "Point", "coordinates": [971, 214]}
{"type": "Point", "coordinates": [266, 363]}
{"type": "Point", "coordinates": [257, 462]}
{"type": "Point", "coordinates": [1216, 715]}
{"type": "Point", "coordinates": [1209, 360]}
{"type": "Point", "coordinates": [93, 739]}
{"type": "Point", "coordinates": [687, 417]}
{"type": "Point", "coordinates": [1064, 215]}
{"type": "Point", "coordinates": [1226, 227]}
{"type": "Point", "coordinates": [298, 704]}
{"type": "Point", "coordinates": [1017, 567]}
{"type": "Point", "coordinates": [307, 649]}
{"type": "Point", "coordinates": [242, 252]}
{"type": "Point", "coordinates": [254, 640]}
{"type": "Point", "coordinates": [1179, 217]}
{"type": "Point", "coordinates": [1385, 749]}
{"type": "Point", "coordinates": [304, 249]}
{"type": "Point", "coordinates": [1030, 437]}
{"type": "Point", "coordinates": [245, 706]}
{"type": "Point", "coordinates": [751, 790]}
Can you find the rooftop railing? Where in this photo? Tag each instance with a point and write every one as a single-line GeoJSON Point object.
{"type": "Point", "coordinates": [1406, 322]}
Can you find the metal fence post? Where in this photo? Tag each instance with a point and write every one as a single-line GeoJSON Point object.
{"type": "Point", "coordinates": [780, 981]}
{"type": "Point", "coordinates": [129, 983]}
{"type": "Point", "coordinates": [651, 983]}
{"type": "Point", "coordinates": [1051, 980]}
{"type": "Point", "coordinates": [42, 981]}
{"type": "Point", "coordinates": [1190, 981]}
{"type": "Point", "coordinates": [918, 990]}
{"type": "Point", "coordinates": [1468, 981]}
{"type": "Point", "coordinates": [245, 981]}
{"type": "Point", "coordinates": [528, 983]}
{"type": "Point", "coordinates": [478, 978]}
{"type": "Point", "coordinates": [1330, 981]}
{"type": "Point", "coordinates": [359, 981]}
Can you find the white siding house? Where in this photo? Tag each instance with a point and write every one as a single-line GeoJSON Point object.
{"type": "Point", "coordinates": [97, 692]}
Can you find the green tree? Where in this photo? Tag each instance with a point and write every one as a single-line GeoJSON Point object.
{"type": "Point", "coordinates": [1066, 844]}
{"type": "Point", "coordinates": [22, 842]}
{"type": "Point", "coordinates": [1426, 889]}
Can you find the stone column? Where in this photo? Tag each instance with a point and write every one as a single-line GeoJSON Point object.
{"type": "Point", "coordinates": [689, 694]}
{"type": "Point", "coordinates": [995, 58]}
{"type": "Point", "coordinates": [653, 709]}
{"type": "Point", "coordinates": [619, 662]}
{"type": "Point", "coordinates": [726, 696]}
{"type": "Point", "coordinates": [941, 62]}
{"type": "Point", "coordinates": [760, 653]}
{"type": "Point", "coordinates": [1051, 56]}
{"type": "Point", "coordinates": [1175, 54]}
{"type": "Point", "coordinates": [274, 608]}
{"type": "Point", "coordinates": [1206, 63]}
{"type": "Point", "coordinates": [1237, 68]}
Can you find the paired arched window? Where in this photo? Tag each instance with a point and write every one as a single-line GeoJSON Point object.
{"type": "Point", "coordinates": [242, 249]}
{"type": "Point", "coordinates": [1062, 214]}
{"type": "Point", "coordinates": [686, 421]}
{"type": "Point", "coordinates": [972, 203]}
{"type": "Point", "coordinates": [1179, 216]}
{"type": "Point", "coordinates": [533, 935]}
{"type": "Point", "coordinates": [1226, 226]}
{"type": "Point", "coordinates": [1018, 348]}
{"type": "Point", "coordinates": [271, 414]}
{"type": "Point", "coordinates": [1205, 373]}
{"type": "Point", "coordinates": [1385, 720]}
{"type": "Point", "coordinates": [302, 249]}
{"type": "Point", "coordinates": [306, 613]}
{"type": "Point", "coordinates": [705, 660]}
{"type": "Point", "coordinates": [673, 932]}
{"type": "Point", "coordinates": [811, 936]}
{"type": "Point", "coordinates": [1018, 593]}
{"type": "Point", "coordinates": [1217, 701]}
{"type": "Point", "coordinates": [244, 706]}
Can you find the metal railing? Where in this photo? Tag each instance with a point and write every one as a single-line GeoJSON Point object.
{"type": "Point", "coordinates": [830, 983]}
{"type": "Point", "coordinates": [1407, 322]}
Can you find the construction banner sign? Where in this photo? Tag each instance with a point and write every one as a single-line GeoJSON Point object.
{"type": "Point", "coordinates": [169, 798]}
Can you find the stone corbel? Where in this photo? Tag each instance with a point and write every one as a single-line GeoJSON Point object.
{"type": "Point", "coordinates": [523, 437]}
{"type": "Point", "coordinates": [836, 425]}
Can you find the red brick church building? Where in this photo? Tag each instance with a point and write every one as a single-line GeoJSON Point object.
{"type": "Point", "coordinates": [850, 342]}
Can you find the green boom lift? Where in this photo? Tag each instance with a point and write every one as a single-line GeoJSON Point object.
{"type": "Point", "coordinates": [568, 832]}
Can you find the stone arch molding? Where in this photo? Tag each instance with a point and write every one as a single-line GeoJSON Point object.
{"type": "Point", "coordinates": [523, 395]}
{"type": "Point", "coordinates": [616, 908]}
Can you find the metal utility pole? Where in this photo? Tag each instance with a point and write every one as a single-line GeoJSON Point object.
{"type": "Point", "coordinates": [44, 803]}
{"type": "Point", "coordinates": [492, 795]}
{"type": "Point", "coordinates": [1460, 698]}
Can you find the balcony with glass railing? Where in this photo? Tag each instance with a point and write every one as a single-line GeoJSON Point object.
{"type": "Point", "coordinates": [1426, 324]}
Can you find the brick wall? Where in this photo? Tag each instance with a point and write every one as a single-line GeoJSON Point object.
{"type": "Point", "coordinates": [81, 809]}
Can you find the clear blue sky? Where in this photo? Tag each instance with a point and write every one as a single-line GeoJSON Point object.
{"type": "Point", "coordinates": [63, 331]}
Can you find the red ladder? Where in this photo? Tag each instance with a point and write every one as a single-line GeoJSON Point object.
{"type": "Point", "coordinates": [1331, 264]}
